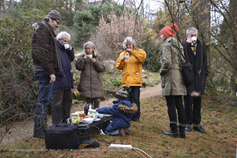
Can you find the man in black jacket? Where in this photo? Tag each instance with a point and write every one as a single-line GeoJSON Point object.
{"type": "Point", "coordinates": [196, 55]}
{"type": "Point", "coordinates": [46, 62]}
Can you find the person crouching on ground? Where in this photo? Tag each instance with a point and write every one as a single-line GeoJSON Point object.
{"type": "Point", "coordinates": [122, 112]}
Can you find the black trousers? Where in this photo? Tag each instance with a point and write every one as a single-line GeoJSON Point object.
{"type": "Point", "coordinates": [193, 109]}
{"type": "Point", "coordinates": [173, 103]}
{"type": "Point", "coordinates": [61, 105]}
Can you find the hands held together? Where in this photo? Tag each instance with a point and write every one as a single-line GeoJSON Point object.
{"type": "Point", "coordinates": [125, 57]}
{"type": "Point", "coordinates": [92, 59]}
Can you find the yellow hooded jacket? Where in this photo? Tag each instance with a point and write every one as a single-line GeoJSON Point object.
{"type": "Point", "coordinates": [132, 67]}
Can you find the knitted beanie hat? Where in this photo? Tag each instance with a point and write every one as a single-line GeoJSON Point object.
{"type": "Point", "coordinates": [170, 30]}
{"type": "Point", "coordinates": [121, 94]}
{"type": "Point", "coordinates": [55, 15]}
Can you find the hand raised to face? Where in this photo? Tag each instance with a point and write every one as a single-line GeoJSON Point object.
{"type": "Point", "coordinates": [191, 35]}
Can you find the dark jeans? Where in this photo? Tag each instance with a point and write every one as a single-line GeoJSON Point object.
{"type": "Point", "coordinates": [193, 109]}
{"type": "Point", "coordinates": [61, 105]}
{"type": "Point", "coordinates": [45, 95]}
{"type": "Point", "coordinates": [173, 103]}
{"type": "Point", "coordinates": [134, 97]}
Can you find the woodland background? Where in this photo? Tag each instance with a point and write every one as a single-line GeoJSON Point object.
{"type": "Point", "coordinates": [107, 23]}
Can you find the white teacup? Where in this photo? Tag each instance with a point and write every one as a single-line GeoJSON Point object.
{"type": "Point", "coordinates": [194, 39]}
{"type": "Point", "coordinates": [66, 46]}
{"type": "Point", "coordinates": [89, 56]}
{"type": "Point", "coordinates": [127, 56]}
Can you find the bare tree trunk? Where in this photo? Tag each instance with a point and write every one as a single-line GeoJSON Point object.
{"type": "Point", "coordinates": [201, 12]}
{"type": "Point", "coordinates": [2, 8]}
{"type": "Point", "coordinates": [233, 13]}
{"type": "Point", "coordinates": [10, 4]}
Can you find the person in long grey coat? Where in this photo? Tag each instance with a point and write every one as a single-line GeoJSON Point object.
{"type": "Point", "coordinates": [195, 53]}
{"type": "Point", "coordinates": [172, 83]}
{"type": "Point", "coordinates": [91, 64]}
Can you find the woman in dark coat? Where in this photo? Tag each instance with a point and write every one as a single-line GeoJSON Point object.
{"type": "Point", "coordinates": [91, 64]}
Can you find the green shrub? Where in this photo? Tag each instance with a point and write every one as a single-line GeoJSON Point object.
{"type": "Point", "coordinates": [18, 90]}
{"type": "Point", "coordinates": [116, 82]}
{"type": "Point", "coordinates": [152, 48]}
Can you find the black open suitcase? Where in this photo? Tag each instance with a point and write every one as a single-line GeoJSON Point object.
{"type": "Point", "coordinates": [62, 136]}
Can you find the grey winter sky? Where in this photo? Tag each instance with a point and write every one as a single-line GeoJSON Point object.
{"type": "Point", "coordinates": [153, 5]}
{"type": "Point", "coordinates": [150, 6]}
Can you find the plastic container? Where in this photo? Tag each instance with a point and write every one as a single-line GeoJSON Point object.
{"type": "Point", "coordinates": [75, 118]}
{"type": "Point", "coordinates": [81, 114]}
{"type": "Point", "coordinates": [100, 115]}
{"type": "Point", "coordinates": [91, 113]}
{"type": "Point", "coordinates": [88, 120]}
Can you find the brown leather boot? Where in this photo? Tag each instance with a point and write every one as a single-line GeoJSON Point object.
{"type": "Point", "coordinates": [122, 132]}
{"type": "Point", "coordinates": [129, 132]}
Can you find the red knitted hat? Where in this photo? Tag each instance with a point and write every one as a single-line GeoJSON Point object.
{"type": "Point", "coordinates": [170, 30]}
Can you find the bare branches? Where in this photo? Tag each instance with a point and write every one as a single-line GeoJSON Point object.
{"type": "Point", "coordinates": [110, 35]}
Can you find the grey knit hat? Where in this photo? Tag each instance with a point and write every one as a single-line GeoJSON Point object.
{"type": "Point", "coordinates": [55, 15]}
{"type": "Point", "coordinates": [121, 94]}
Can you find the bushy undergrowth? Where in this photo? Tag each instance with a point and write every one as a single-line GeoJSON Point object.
{"type": "Point", "coordinates": [18, 90]}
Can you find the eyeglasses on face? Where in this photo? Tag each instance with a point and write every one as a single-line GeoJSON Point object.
{"type": "Point", "coordinates": [58, 22]}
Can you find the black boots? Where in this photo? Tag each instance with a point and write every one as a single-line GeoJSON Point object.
{"type": "Point", "coordinates": [40, 133]}
{"type": "Point", "coordinates": [171, 133]}
{"type": "Point", "coordinates": [199, 129]}
{"type": "Point", "coordinates": [182, 131]}
{"type": "Point", "coordinates": [188, 128]}
{"type": "Point", "coordinates": [174, 131]}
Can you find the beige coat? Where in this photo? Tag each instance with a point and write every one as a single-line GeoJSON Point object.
{"type": "Point", "coordinates": [171, 77]}
{"type": "Point", "coordinates": [91, 85]}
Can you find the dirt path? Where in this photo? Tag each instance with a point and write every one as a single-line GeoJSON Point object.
{"type": "Point", "coordinates": [21, 130]}
{"type": "Point", "coordinates": [144, 93]}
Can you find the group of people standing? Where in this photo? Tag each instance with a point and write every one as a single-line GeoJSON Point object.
{"type": "Point", "coordinates": [52, 56]}
{"type": "Point", "coordinates": [172, 83]}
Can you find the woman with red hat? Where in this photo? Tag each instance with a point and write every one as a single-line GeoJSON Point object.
{"type": "Point", "coordinates": [171, 79]}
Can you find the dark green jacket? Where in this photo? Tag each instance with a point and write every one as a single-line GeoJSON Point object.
{"type": "Point", "coordinates": [171, 77]}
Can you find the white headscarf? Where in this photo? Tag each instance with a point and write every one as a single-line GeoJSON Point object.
{"type": "Point", "coordinates": [92, 46]}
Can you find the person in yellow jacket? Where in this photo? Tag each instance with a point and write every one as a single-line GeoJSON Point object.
{"type": "Point", "coordinates": [130, 62]}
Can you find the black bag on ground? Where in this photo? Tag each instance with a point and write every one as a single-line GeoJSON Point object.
{"type": "Point", "coordinates": [186, 70]}
{"type": "Point", "coordinates": [62, 136]}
